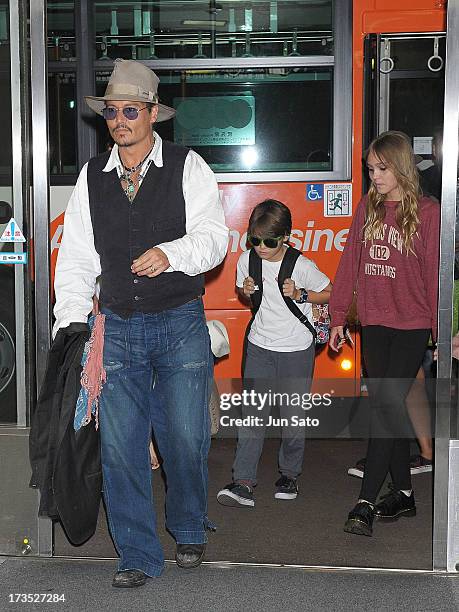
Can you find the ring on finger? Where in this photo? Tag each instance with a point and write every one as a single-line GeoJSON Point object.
{"type": "Point", "coordinates": [152, 269]}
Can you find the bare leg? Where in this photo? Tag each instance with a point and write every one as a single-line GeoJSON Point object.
{"type": "Point", "coordinates": [153, 457]}
{"type": "Point", "coordinates": [418, 408]}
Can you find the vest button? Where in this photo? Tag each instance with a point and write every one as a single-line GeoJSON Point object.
{"type": "Point", "coordinates": [137, 297]}
{"type": "Point", "coordinates": [136, 280]}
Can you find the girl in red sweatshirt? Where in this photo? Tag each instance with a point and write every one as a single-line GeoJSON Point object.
{"type": "Point", "coordinates": [391, 260]}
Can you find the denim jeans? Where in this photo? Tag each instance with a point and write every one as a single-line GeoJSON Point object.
{"type": "Point", "coordinates": [157, 369]}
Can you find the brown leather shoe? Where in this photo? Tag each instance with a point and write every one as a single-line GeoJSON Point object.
{"type": "Point", "coordinates": [189, 555]}
{"type": "Point", "coordinates": [129, 578]}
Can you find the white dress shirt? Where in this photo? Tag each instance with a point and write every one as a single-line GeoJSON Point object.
{"type": "Point", "coordinates": [202, 248]}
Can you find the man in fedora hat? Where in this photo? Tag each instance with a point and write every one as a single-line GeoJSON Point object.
{"type": "Point", "coordinates": [145, 221]}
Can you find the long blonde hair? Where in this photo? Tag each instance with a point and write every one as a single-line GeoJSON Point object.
{"type": "Point", "coordinates": [395, 151]}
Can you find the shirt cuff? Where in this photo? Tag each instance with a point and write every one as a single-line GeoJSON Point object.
{"type": "Point", "coordinates": [338, 319]}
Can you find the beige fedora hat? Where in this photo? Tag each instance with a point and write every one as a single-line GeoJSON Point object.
{"type": "Point", "coordinates": [133, 81]}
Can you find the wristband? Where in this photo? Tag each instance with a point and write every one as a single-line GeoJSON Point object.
{"type": "Point", "coordinates": [303, 297]}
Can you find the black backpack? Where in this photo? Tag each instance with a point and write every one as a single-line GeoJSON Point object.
{"type": "Point", "coordinates": [286, 269]}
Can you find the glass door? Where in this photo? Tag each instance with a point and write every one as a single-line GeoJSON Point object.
{"type": "Point", "coordinates": [21, 532]}
{"type": "Point", "coordinates": [416, 92]}
{"type": "Point", "coordinates": [8, 401]}
{"type": "Point", "coordinates": [16, 277]}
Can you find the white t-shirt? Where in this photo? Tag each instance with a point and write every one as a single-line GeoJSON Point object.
{"type": "Point", "coordinates": [275, 327]}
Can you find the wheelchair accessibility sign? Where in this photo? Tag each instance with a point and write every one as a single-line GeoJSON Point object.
{"type": "Point", "coordinates": [314, 192]}
{"type": "Point", "coordinates": [338, 200]}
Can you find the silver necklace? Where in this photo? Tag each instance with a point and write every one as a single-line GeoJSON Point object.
{"type": "Point", "coordinates": [126, 176]}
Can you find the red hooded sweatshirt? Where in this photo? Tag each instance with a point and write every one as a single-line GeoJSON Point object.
{"type": "Point", "coordinates": [394, 288]}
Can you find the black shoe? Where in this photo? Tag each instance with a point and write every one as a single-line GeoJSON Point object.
{"type": "Point", "coordinates": [358, 468]}
{"type": "Point", "coordinates": [189, 555]}
{"type": "Point", "coordinates": [236, 494]}
{"type": "Point", "coordinates": [129, 578]}
{"type": "Point", "coordinates": [286, 488]}
{"type": "Point", "coordinates": [394, 505]}
{"type": "Point", "coordinates": [360, 519]}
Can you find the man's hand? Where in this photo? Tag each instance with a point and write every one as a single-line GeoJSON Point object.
{"type": "Point", "coordinates": [289, 289]}
{"type": "Point", "coordinates": [248, 286]}
{"type": "Point", "coordinates": [152, 263]}
{"type": "Point", "coordinates": [95, 305]}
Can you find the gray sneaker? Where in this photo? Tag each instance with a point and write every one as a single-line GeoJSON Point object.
{"type": "Point", "coordinates": [358, 469]}
{"type": "Point", "coordinates": [286, 488]}
{"type": "Point", "coordinates": [236, 495]}
{"type": "Point", "coordinates": [420, 465]}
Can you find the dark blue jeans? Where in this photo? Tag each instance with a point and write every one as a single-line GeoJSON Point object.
{"type": "Point", "coordinates": [157, 377]}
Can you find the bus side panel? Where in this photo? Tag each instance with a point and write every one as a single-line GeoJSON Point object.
{"type": "Point", "coordinates": [393, 16]}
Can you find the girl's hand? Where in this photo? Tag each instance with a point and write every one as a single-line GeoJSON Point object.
{"type": "Point", "coordinates": [289, 289]}
{"type": "Point", "coordinates": [455, 347]}
{"type": "Point", "coordinates": [336, 338]}
{"type": "Point", "coordinates": [248, 286]}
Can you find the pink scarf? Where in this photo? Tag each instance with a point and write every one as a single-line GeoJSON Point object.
{"type": "Point", "coordinates": [93, 375]}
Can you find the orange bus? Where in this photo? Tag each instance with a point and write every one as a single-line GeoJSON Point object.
{"type": "Point", "coordinates": [279, 98]}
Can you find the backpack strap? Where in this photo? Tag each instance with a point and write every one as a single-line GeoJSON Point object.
{"type": "Point", "coordinates": [287, 265]}
{"type": "Point", "coordinates": [256, 273]}
{"type": "Point", "coordinates": [286, 269]}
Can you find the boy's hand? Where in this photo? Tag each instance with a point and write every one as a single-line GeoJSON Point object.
{"type": "Point", "coordinates": [248, 286]}
{"type": "Point", "coordinates": [289, 289]}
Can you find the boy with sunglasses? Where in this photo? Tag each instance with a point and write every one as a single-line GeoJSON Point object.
{"type": "Point", "coordinates": [279, 347]}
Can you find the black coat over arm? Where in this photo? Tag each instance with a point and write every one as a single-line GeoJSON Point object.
{"type": "Point", "coordinates": [65, 463]}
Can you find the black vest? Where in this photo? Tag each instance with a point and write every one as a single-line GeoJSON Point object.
{"type": "Point", "coordinates": [124, 231]}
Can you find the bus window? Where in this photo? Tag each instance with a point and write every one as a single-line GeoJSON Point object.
{"type": "Point", "coordinates": [190, 29]}
{"type": "Point", "coordinates": [62, 125]}
{"type": "Point", "coordinates": [228, 117]}
{"type": "Point", "coordinates": [6, 163]}
{"type": "Point", "coordinates": [287, 56]}
{"type": "Point", "coordinates": [414, 86]}
{"type": "Point", "coordinates": [61, 31]}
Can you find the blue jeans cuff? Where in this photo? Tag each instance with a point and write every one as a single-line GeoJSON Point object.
{"type": "Point", "coordinates": [150, 569]}
{"type": "Point", "coordinates": [189, 537]}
